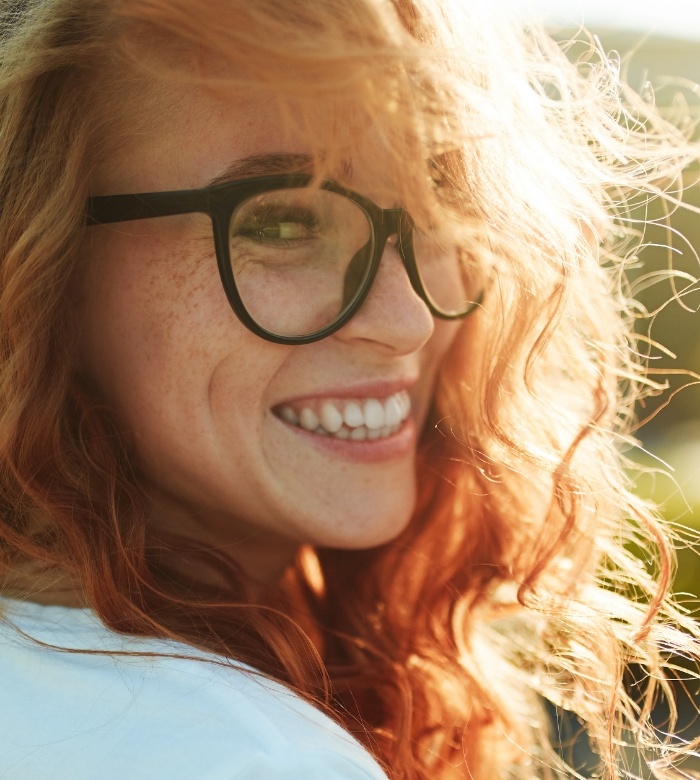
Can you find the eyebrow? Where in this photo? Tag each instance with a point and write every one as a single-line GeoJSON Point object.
{"type": "Point", "coordinates": [269, 164]}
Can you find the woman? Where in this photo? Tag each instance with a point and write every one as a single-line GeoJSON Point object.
{"type": "Point", "coordinates": [315, 364]}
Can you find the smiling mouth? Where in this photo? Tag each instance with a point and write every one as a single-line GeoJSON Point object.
{"type": "Point", "coordinates": [353, 419]}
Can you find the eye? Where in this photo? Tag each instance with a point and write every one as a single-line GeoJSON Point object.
{"type": "Point", "coordinates": [285, 231]}
{"type": "Point", "coordinates": [277, 224]}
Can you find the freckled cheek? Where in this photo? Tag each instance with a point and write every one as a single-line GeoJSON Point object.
{"type": "Point", "coordinates": [437, 352]}
{"type": "Point", "coordinates": [241, 381]}
{"type": "Point", "coordinates": [190, 336]}
{"type": "Point", "coordinates": [146, 302]}
{"type": "Point", "coordinates": [196, 356]}
{"type": "Point", "coordinates": [180, 286]}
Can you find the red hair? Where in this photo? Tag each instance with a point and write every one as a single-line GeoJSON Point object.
{"type": "Point", "coordinates": [511, 581]}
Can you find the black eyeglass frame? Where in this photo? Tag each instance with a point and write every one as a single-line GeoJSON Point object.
{"type": "Point", "coordinates": [220, 201]}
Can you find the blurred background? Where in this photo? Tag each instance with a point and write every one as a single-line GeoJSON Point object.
{"type": "Point", "coordinates": [658, 47]}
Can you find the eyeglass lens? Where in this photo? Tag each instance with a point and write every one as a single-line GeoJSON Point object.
{"type": "Point", "coordinates": [300, 256]}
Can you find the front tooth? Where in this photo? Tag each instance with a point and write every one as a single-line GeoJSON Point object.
{"type": "Point", "coordinates": [343, 433]}
{"type": "Point", "coordinates": [331, 418]}
{"type": "Point", "coordinates": [308, 419]}
{"type": "Point", "coordinates": [289, 415]}
{"type": "Point", "coordinates": [353, 415]}
{"type": "Point", "coordinates": [374, 433]}
{"type": "Point", "coordinates": [392, 411]}
{"type": "Point", "coordinates": [358, 434]}
{"type": "Point", "coordinates": [374, 414]}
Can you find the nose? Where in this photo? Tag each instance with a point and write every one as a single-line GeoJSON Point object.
{"type": "Point", "coordinates": [392, 317]}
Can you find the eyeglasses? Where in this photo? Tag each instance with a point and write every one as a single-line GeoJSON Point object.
{"type": "Point", "coordinates": [297, 261]}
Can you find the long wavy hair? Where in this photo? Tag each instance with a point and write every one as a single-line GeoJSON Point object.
{"type": "Point", "coordinates": [515, 581]}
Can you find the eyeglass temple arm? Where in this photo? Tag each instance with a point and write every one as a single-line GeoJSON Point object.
{"type": "Point", "coordinates": [105, 209]}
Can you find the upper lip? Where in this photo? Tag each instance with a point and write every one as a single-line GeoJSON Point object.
{"type": "Point", "coordinates": [365, 389]}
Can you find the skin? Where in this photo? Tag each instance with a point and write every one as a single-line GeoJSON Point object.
{"type": "Point", "coordinates": [196, 389]}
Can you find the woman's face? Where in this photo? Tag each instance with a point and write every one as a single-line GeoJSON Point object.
{"type": "Point", "coordinates": [212, 407]}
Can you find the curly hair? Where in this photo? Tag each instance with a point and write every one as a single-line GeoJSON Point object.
{"type": "Point", "coordinates": [516, 580]}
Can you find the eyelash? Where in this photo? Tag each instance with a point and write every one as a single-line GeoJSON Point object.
{"type": "Point", "coordinates": [275, 215]}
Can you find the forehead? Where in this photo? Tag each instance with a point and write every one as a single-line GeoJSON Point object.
{"type": "Point", "coordinates": [179, 136]}
{"type": "Point", "coordinates": [186, 136]}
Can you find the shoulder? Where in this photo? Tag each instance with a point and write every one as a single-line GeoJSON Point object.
{"type": "Point", "coordinates": [148, 712]}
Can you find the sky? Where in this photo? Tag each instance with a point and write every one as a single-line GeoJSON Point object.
{"type": "Point", "coordinates": [675, 18]}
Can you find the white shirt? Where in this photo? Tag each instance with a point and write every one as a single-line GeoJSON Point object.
{"type": "Point", "coordinates": [76, 716]}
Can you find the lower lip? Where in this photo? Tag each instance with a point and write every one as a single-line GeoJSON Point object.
{"type": "Point", "coordinates": [398, 445]}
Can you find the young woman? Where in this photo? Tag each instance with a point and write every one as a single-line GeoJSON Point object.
{"type": "Point", "coordinates": [316, 364]}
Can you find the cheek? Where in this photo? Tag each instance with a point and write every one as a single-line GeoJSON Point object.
{"type": "Point", "coordinates": [148, 314]}
{"type": "Point", "coordinates": [445, 335]}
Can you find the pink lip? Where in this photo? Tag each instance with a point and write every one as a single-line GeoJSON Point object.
{"type": "Point", "coordinates": [401, 444]}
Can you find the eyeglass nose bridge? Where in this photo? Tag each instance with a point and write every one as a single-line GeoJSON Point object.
{"type": "Point", "coordinates": [391, 221]}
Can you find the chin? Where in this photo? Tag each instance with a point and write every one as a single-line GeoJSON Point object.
{"type": "Point", "coordinates": [366, 530]}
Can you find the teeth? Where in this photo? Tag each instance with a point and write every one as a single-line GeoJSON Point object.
{"type": "Point", "coordinates": [331, 418]}
{"type": "Point", "coordinates": [308, 419]}
{"type": "Point", "coordinates": [374, 414]}
{"type": "Point", "coordinates": [353, 415]}
{"type": "Point", "coordinates": [289, 415]}
{"type": "Point", "coordinates": [370, 419]}
{"type": "Point", "coordinates": [393, 411]}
